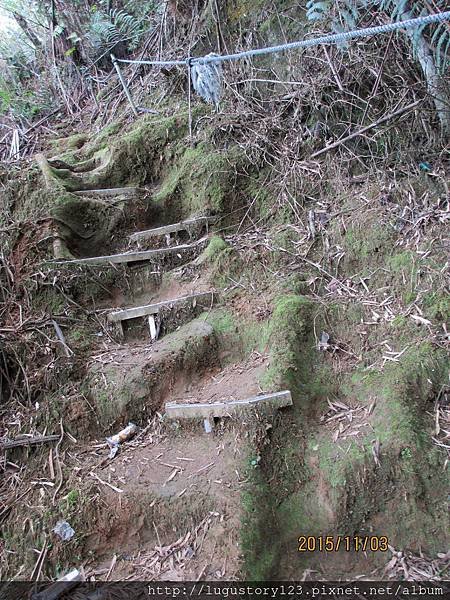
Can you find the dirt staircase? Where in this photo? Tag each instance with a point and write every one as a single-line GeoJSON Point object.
{"type": "Point", "coordinates": [179, 479]}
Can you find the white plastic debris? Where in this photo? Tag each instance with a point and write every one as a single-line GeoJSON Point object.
{"type": "Point", "coordinates": [74, 575]}
{"type": "Point", "coordinates": [207, 425]}
{"type": "Point", "coordinates": [64, 531]}
{"type": "Point", "coordinates": [123, 436]}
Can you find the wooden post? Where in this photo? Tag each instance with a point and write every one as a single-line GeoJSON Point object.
{"type": "Point", "coordinates": [189, 100]}
{"type": "Point", "coordinates": [124, 85]}
{"type": "Point", "coordinates": [152, 326]}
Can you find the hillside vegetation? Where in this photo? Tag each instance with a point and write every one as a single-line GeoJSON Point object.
{"type": "Point", "coordinates": [325, 176]}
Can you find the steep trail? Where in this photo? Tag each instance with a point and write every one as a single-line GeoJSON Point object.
{"type": "Point", "coordinates": [178, 502]}
{"type": "Point", "coordinates": [174, 478]}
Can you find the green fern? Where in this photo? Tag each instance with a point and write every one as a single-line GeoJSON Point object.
{"type": "Point", "coordinates": [345, 15]}
{"type": "Point", "coordinates": [108, 30]}
{"type": "Point", "coordinates": [440, 41]}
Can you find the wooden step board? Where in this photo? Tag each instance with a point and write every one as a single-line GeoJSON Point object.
{"type": "Point", "coordinates": [129, 257]}
{"type": "Point", "coordinates": [224, 409]}
{"type": "Point", "coordinates": [167, 229]}
{"type": "Point", "coordinates": [127, 192]}
{"type": "Point", "coordinates": [206, 298]}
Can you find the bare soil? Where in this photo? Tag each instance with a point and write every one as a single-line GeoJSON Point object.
{"type": "Point", "coordinates": [169, 487]}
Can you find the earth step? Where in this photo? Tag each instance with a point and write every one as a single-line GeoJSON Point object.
{"type": "Point", "coordinates": [153, 309]}
{"type": "Point", "coordinates": [129, 257]}
{"type": "Point", "coordinates": [129, 192]}
{"type": "Point", "coordinates": [167, 229]}
{"type": "Point", "coordinates": [225, 409]}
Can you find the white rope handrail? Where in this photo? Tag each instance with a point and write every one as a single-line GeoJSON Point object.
{"type": "Point", "coordinates": [325, 39]}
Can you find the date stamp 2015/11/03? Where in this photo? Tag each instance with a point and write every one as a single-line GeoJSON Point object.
{"type": "Point", "coordinates": [348, 543]}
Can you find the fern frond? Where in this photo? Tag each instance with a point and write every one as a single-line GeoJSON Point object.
{"type": "Point", "coordinates": [416, 36]}
{"type": "Point", "coordinates": [398, 9]}
{"type": "Point", "coordinates": [345, 14]}
{"type": "Point", "coordinates": [440, 37]}
{"type": "Point", "coordinates": [108, 30]}
{"type": "Point", "coordinates": [349, 17]}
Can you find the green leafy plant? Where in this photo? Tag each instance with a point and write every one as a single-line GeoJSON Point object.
{"type": "Point", "coordinates": [406, 454]}
{"type": "Point", "coordinates": [430, 44]}
{"type": "Point", "coordinates": [111, 30]}
{"type": "Point", "coordinates": [345, 15]}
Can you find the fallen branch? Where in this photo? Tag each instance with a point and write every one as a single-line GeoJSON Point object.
{"type": "Point", "coordinates": [39, 439]}
{"type": "Point", "coordinates": [379, 121]}
{"type": "Point", "coordinates": [37, 569]}
{"type": "Point", "coordinates": [113, 487]}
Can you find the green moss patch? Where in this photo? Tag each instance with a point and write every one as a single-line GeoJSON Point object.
{"type": "Point", "coordinates": [258, 542]}
{"type": "Point", "coordinates": [237, 336]}
{"type": "Point", "coordinates": [289, 335]}
{"type": "Point", "coordinates": [201, 179]}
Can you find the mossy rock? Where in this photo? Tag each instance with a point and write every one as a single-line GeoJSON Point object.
{"type": "Point", "coordinates": [201, 179]}
{"type": "Point", "coordinates": [214, 249]}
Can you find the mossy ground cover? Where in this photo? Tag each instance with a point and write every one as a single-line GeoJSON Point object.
{"type": "Point", "coordinates": [321, 489]}
{"type": "Point", "coordinates": [302, 484]}
{"type": "Point", "coordinates": [305, 481]}
{"type": "Point", "coordinates": [202, 179]}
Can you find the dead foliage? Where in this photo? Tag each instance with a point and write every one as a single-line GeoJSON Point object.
{"type": "Point", "coordinates": [347, 422]}
{"type": "Point", "coordinates": [417, 567]}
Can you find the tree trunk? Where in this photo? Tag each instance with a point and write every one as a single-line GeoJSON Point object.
{"type": "Point", "coordinates": [23, 24]}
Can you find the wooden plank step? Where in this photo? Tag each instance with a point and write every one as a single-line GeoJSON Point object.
{"type": "Point", "coordinates": [153, 309]}
{"type": "Point", "coordinates": [181, 226]}
{"type": "Point", "coordinates": [129, 257]}
{"type": "Point", "coordinates": [224, 409]}
{"type": "Point", "coordinates": [129, 192]}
